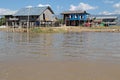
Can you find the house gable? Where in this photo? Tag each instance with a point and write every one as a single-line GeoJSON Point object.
{"type": "Point", "coordinates": [47, 15]}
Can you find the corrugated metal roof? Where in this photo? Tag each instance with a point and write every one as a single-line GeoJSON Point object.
{"type": "Point", "coordinates": [103, 16]}
{"type": "Point", "coordinates": [74, 12]}
{"type": "Point", "coordinates": [31, 11]}
{"type": "Point", "coordinates": [107, 17]}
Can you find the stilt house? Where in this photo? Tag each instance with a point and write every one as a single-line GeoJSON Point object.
{"type": "Point", "coordinates": [34, 16]}
{"type": "Point", "coordinates": [75, 18]}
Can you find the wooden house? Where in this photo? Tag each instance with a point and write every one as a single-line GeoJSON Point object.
{"type": "Point", "coordinates": [34, 16]}
{"type": "Point", "coordinates": [75, 18]}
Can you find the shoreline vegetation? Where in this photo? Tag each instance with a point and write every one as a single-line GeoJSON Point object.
{"type": "Point", "coordinates": [63, 29]}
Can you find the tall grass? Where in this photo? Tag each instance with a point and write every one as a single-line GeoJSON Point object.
{"type": "Point", "coordinates": [47, 30]}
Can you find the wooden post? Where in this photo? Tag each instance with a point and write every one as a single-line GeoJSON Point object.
{"type": "Point", "coordinates": [13, 25]}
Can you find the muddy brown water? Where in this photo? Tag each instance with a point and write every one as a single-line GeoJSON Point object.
{"type": "Point", "coordinates": [60, 56]}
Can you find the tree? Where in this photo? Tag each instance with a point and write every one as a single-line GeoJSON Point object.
{"type": "Point", "coordinates": [2, 21]}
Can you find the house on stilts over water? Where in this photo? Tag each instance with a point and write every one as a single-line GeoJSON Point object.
{"type": "Point", "coordinates": [75, 18]}
{"type": "Point", "coordinates": [33, 16]}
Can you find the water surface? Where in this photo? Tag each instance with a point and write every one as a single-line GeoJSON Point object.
{"type": "Point", "coordinates": [60, 46]}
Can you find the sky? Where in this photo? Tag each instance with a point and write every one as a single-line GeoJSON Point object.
{"type": "Point", "coordinates": [58, 6]}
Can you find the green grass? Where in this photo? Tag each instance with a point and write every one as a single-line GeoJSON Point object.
{"type": "Point", "coordinates": [47, 30]}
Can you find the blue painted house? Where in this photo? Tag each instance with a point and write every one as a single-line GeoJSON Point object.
{"type": "Point", "coordinates": [75, 18]}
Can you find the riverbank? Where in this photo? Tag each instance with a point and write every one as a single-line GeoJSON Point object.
{"type": "Point", "coordinates": [63, 29]}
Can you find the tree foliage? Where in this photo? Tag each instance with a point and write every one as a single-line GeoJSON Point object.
{"type": "Point", "coordinates": [2, 21]}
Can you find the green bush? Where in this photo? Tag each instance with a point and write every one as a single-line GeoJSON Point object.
{"type": "Point", "coordinates": [37, 30]}
{"type": "Point", "coordinates": [2, 21]}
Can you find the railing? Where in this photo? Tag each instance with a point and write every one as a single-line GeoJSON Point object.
{"type": "Point", "coordinates": [76, 18]}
